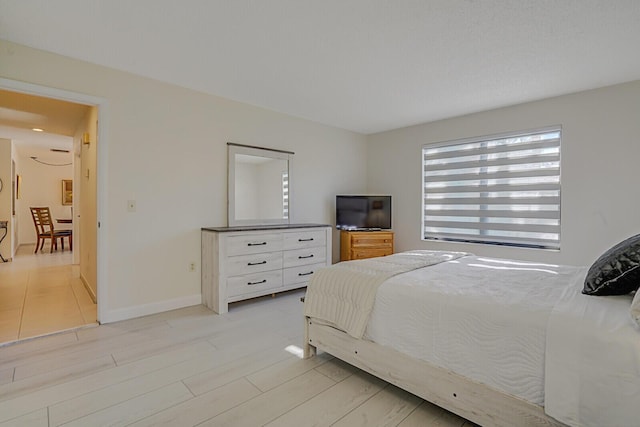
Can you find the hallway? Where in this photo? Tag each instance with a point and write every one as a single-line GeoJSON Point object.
{"type": "Point", "coordinates": [41, 294]}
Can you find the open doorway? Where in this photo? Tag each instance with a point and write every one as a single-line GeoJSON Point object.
{"type": "Point", "coordinates": [51, 289]}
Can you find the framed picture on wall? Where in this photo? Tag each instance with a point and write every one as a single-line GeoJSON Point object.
{"type": "Point", "coordinates": [67, 191]}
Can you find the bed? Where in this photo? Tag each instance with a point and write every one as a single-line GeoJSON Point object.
{"type": "Point", "coordinates": [497, 341]}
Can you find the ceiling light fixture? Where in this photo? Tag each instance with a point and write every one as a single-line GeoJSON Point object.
{"type": "Point", "coordinates": [37, 130]}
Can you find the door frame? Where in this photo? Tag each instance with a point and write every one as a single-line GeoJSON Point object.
{"type": "Point", "coordinates": [101, 159]}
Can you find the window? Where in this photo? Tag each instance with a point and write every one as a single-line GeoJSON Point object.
{"type": "Point", "coordinates": [498, 190]}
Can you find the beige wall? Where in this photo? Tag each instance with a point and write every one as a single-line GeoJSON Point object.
{"type": "Point", "coordinates": [17, 222]}
{"type": "Point", "coordinates": [5, 196]}
{"type": "Point", "coordinates": [600, 152]}
{"type": "Point", "coordinates": [165, 147]}
{"type": "Point", "coordinates": [85, 206]}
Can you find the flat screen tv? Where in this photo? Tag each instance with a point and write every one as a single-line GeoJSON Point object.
{"type": "Point", "coordinates": [363, 212]}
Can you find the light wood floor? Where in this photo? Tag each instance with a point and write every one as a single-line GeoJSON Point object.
{"type": "Point", "coordinates": [40, 294]}
{"type": "Point", "coordinates": [192, 367]}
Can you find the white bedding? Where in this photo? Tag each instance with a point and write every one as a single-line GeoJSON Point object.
{"type": "Point", "coordinates": [527, 331]}
{"type": "Point", "coordinates": [445, 313]}
{"type": "Point", "coordinates": [348, 307]}
{"type": "Point", "coordinates": [593, 361]}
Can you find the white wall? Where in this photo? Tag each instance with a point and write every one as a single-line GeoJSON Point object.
{"type": "Point", "coordinates": [41, 186]}
{"type": "Point", "coordinates": [599, 168]}
{"type": "Point", "coordinates": [166, 149]}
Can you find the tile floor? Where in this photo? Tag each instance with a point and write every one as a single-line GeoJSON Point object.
{"type": "Point", "coordinates": [191, 367]}
{"type": "Point", "coordinates": [41, 294]}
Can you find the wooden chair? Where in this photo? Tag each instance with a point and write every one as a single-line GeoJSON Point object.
{"type": "Point", "coordinates": [45, 230]}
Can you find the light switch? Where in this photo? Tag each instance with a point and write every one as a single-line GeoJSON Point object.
{"type": "Point", "coordinates": [131, 205]}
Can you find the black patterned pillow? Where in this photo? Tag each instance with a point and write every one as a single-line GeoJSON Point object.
{"type": "Point", "coordinates": [617, 271]}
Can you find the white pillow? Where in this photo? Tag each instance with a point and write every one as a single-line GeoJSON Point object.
{"type": "Point", "coordinates": [635, 308]}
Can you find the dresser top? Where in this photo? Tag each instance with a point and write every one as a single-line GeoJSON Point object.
{"type": "Point", "coordinates": [262, 227]}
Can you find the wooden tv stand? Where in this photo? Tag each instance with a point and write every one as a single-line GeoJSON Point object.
{"type": "Point", "coordinates": [365, 244]}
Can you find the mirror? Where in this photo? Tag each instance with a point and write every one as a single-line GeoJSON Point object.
{"type": "Point", "coordinates": [258, 192]}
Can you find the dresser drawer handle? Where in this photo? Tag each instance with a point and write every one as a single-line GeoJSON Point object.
{"type": "Point", "coordinates": [257, 244]}
{"type": "Point", "coordinates": [305, 274]}
{"type": "Point", "coordinates": [305, 257]}
{"type": "Point", "coordinates": [306, 240]}
{"type": "Point", "coordinates": [257, 283]}
{"type": "Point", "coordinates": [256, 263]}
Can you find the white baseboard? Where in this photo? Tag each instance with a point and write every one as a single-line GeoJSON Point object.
{"type": "Point", "coordinates": [92, 295]}
{"type": "Point", "coordinates": [152, 308]}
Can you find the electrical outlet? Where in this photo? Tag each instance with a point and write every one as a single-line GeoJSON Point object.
{"type": "Point", "coordinates": [192, 266]}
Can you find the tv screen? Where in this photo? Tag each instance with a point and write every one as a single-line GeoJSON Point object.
{"type": "Point", "coordinates": [363, 212]}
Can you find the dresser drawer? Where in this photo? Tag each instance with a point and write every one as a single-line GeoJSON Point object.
{"type": "Point", "coordinates": [304, 256]}
{"type": "Point", "coordinates": [254, 243]}
{"type": "Point", "coordinates": [304, 239]}
{"type": "Point", "coordinates": [370, 252]}
{"type": "Point", "coordinates": [300, 274]}
{"type": "Point", "coordinates": [247, 264]}
{"type": "Point", "coordinates": [373, 239]}
{"type": "Point", "coordinates": [251, 283]}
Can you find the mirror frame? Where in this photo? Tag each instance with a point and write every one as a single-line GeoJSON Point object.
{"type": "Point", "coordinates": [232, 150]}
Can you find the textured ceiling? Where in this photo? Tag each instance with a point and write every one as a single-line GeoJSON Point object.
{"type": "Point", "coordinates": [363, 65]}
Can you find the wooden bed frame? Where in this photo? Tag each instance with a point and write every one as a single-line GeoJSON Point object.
{"type": "Point", "coordinates": [469, 399]}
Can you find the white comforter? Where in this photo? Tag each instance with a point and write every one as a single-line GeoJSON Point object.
{"type": "Point", "coordinates": [480, 317]}
{"type": "Point", "coordinates": [592, 364]}
{"type": "Point", "coordinates": [523, 328]}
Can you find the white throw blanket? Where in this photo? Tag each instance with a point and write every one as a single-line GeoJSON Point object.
{"type": "Point", "coordinates": [348, 307]}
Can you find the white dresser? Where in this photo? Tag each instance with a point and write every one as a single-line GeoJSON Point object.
{"type": "Point", "coordinates": [246, 262]}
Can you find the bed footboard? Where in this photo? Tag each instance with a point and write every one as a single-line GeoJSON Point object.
{"type": "Point", "coordinates": [308, 350]}
{"type": "Point", "coordinates": [469, 399]}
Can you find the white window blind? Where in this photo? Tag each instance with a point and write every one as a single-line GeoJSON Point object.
{"type": "Point", "coordinates": [498, 190]}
